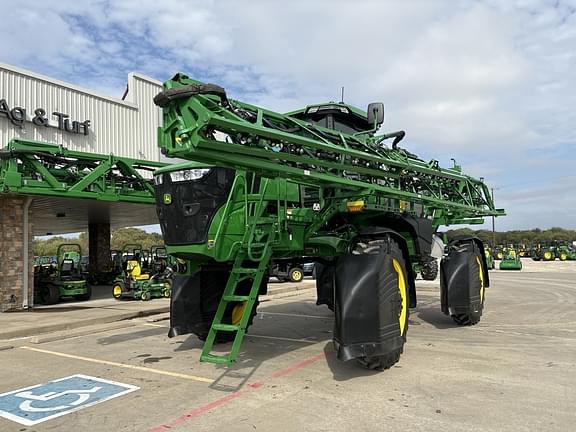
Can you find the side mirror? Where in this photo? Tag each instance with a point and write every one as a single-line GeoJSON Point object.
{"type": "Point", "coordinates": [375, 113]}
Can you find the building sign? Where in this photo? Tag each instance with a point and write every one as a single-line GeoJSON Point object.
{"type": "Point", "coordinates": [18, 116]}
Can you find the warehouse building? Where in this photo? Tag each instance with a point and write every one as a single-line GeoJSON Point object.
{"type": "Point", "coordinates": [41, 109]}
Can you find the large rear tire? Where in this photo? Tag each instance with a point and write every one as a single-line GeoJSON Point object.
{"type": "Point", "coordinates": [476, 285]}
{"type": "Point", "coordinates": [212, 289]}
{"type": "Point", "coordinates": [395, 289]}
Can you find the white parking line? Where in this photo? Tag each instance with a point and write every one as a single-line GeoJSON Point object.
{"type": "Point", "coordinates": [122, 365]}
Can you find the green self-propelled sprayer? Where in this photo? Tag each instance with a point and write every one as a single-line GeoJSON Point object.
{"type": "Point", "coordinates": [317, 184]}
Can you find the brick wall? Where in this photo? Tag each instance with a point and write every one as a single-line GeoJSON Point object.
{"type": "Point", "coordinates": [99, 247]}
{"type": "Point", "coordinates": [11, 250]}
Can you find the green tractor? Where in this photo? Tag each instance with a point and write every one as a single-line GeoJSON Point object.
{"type": "Point", "coordinates": [146, 274]}
{"type": "Point", "coordinates": [556, 250]}
{"type": "Point", "coordinates": [314, 185]}
{"type": "Point", "coordinates": [565, 252]}
{"type": "Point", "coordinates": [62, 278]}
{"type": "Point", "coordinates": [499, 252]}
{"type": "Point", "coordinates": [511, 260]}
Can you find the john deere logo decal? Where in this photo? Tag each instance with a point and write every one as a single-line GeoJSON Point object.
{"type": "Point", "coordinates": [167, 199]}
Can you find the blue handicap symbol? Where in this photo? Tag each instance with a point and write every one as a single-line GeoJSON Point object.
{"type": "Point", "coordinates": [32, 405]}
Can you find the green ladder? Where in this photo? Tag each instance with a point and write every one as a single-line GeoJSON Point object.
{"type": "Point", "coordinates": [237, 275]}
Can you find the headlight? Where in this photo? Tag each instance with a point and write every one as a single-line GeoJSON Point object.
{"type": "Point", "coordinates": [187, 175]}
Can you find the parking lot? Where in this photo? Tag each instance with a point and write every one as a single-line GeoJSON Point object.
{"type": "Point", "coordinates": [515, 370]}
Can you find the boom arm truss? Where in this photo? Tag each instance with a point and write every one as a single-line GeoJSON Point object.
{"type": "Point", "coordinates": [34, 168]}
{"type": "Point", "coordinates": [202, 124]}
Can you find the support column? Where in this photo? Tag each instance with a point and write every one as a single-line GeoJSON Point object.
{"type": "Point", "coordinates": [12, 272]}
{"type": "Point", "coordinates": [99, 247]}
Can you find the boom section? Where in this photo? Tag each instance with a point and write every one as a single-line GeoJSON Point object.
{"type": "Point", "coordinates": [34, 168]}
{"type": "Point", "coordinates": [202, 124]}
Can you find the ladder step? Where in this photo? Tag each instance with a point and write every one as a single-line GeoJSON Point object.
{"type": "Point", "coordinates": [236, 298]}
{"type": "Point", "coordinates": [211, 358]}
{"type": "Point", "coordinates": [226, 327]}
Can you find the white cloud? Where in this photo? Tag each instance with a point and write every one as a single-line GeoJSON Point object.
{"type": "Point", "coordinates": [490, 82]}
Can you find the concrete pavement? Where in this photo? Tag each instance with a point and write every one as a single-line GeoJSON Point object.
{"type": "Point", "coordinates": [103, 309]}
{"type": "Point", "coordinates": [515, 370]}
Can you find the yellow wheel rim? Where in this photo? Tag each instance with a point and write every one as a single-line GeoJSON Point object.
{"type": "Point", "coordinates": [237, 313]}
{"type": "Point", "coordinates": [117, 291]}
{"type": "Point", "coordinates": [481, 277]}
{"type": "Point", "coordinates": [297, 275]}
{"type": "Point", "coordinates": [500, 255]}
{"type": "Point", "coordinates": [402, 291]}
{"type": "Point", "coordinates": [547, 255]}
{"type": "Point", "coordinates": [563, 257]}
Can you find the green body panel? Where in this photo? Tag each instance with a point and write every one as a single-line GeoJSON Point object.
{"type": "Point", "coordinates": [71, 288]}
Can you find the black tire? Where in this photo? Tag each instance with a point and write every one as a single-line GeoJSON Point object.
{"type": "Point", "coordinates": [296, 274]}
{"type": "Point", "coordinates": [164, 98]}
{"type": "Point", "coordinates": [51, 295]}
{"type": "Point", "coordinates": [145, 296]}
{"type": "Point", "coordinates": [325, 285]}
{"type": "Point", "coordinates": [211, 292]}
{"type": "Point", "coordinates": [392, 283]}
{"type": "Point", "coordinates": [476, 281]}
{"type": "Point", "coordinates": [429, 270]}
{"type": "Point", "coordinates": [118, 290]}
{"type": "Point", "coordinates": [86, 296]}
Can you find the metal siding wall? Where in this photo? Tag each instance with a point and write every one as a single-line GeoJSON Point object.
{"type": "Point", "coordinates": [125, 128]}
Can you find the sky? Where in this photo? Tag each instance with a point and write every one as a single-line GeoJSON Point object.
{"type": "Point", "coordinates": [491, 83]}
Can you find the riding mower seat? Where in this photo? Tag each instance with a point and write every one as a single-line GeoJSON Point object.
{"type": "Point", "coordinates": [67, 269]}
{"type": "Point", "coordinates": [135, 271]}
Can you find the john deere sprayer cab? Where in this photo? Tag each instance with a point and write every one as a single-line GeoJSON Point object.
{"type": "Point", "coordinates": [318, 184]}
{"type": "Point", "coordinates": [145, 274]}
{"type": "Point", "coordinates": [64, 278]}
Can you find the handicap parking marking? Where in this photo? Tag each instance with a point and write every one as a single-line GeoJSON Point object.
{"type": "Point", "coordinates": [41, 402]}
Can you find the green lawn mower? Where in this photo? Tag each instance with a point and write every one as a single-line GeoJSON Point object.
{"type": "Point", "coordinates": [63, 278]}
{"type": "Point", "coordinates": [511, 261]}
{"type": "Point", "coordinates": [143, 278]}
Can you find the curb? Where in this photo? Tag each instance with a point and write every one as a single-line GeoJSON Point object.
{"type": "Point", "coordinates": [67, 334]}
{"type": "Point", "coordinates": [32, 331]}
{"type": "Point", "coordinates": [286, 293]}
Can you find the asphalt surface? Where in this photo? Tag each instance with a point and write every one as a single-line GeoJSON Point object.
{"type": "Point", "coordinates": [515, 370]}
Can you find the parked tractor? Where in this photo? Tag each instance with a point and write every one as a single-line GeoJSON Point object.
{"type": "Point", "coordinates": [62, 278]}
{"type": "Point", "coordinates": [317, 184]}
{"type": "Point", "coordinates": [146, 274]}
